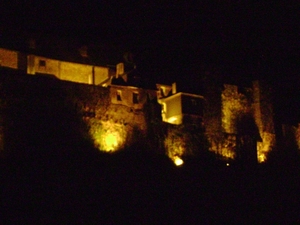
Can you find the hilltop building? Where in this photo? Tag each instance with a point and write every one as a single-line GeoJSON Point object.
{"type": "Point", "coordinates": [238, 122]}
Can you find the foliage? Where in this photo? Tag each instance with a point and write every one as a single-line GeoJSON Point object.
{"type": "Point", "coordinates": [185, 140]}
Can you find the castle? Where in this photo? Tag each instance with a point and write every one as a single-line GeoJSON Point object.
{"type": "Point", "coordinates": [238, 122]}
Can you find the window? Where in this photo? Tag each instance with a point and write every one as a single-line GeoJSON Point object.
{"type": "Point", "coordinates": [194, 102]}
{"type": "Point", "coordinates": [119, 95]}
{"type": "Point", "coordinates": [42, 63]}
{"type": "Point", "coordinates": [135, 98]}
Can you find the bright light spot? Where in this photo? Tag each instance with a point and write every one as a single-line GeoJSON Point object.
{"type": "Point", "coordinates": [111, 142]}
{"type": "Point", "coordinates": [108, 136]}
{"type": "Point", "coordinates": [178, 161]}
{"type": "Point", "coordinates": [264, 147]}
{"type": "Point", "coordinates": [172, 119]}
{"type": "Point", "coordinates": [227, 164]}
{"type": "Point", "coordinates": [261, 158]}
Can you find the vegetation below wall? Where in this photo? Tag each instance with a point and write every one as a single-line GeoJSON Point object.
{"type": "Point", "coordinates": [143, 188]}
{"type": "Point", "coordinates": [53, 174]}
{"type": "Point", "coordinates": [39, 111]}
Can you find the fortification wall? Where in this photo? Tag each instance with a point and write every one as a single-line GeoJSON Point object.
{"type": "Point", "coordinates": [76, 72]}
{"type": "Point", "coordinates": [44, 112]}
{"type": "Point", "coordinates": [264, 118]}
{"type": "Point", "coordinates": [69, 71]}
{"type": "Point", "coordinates": [43, 65]}
{"type": "Point", "coordinates": [212, 116]}
{"type": "Point", "coordinates": [226, 115]}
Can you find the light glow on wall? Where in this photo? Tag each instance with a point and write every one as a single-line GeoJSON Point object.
{"type": "Point", "coordinates": [234, 104]}
{"type": "Point", "coordinates": [172, 119]}
{"type": "Point", "coordinates": [228, 154]}
{"type": "Point", "coordinates": [175, 148]}
{"type": "Point", "coordinates": [108, 136]}
{"type": "Point", "coordinates": [264, 147]}
{"type": "Point", "coordinates": [261, 158]}
{"type": "Point", "coordinates": [177, 160]}
{"type": "Point", "coordinates": [110, 142]}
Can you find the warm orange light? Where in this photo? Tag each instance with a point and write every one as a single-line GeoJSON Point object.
{"type": "Point", "coordinates": [172, 119]}
{"type": "Point", "coordinates": [261, 157]}
{"type": "Point", "coordinates": [108, 136]}
{"type": "Point", "coordinates": [175, 149]}
{"type": "Point", "coordinates": [228, 153]}
{"type": "Point", "coordinates": [265, 146]}
{"type": "Point", "coordinates": [111, 142]}
{"type": "Point", "coordinates": [177, 160]}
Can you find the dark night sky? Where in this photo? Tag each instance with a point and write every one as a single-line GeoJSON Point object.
{"type": "Point", "coordinates": [243, 39]}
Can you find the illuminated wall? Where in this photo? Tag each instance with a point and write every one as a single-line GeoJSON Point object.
{"type": "Point", "coordinates": [176, 107]}
{"type": "Point", "coordinates": [213, 117]}
{"type": "Point", "coordinates": [75, 72]}
{"type": "Point", "coordinates": [185, 140]}
{"type": "Point", "coordinates": [175, 144]}
{"type": "Point", "coordinates": [44, 65]}
{"type": "Point", "coordinates": [8, 58]}
{"type": "Point", "coordinates": [114, 129]}
{"type": "Point", "coordinates": [233, 105]}
{"type": "Point", "coordinates": [263, 115]}
{"type": "Point", "coordinates": [129, 96]}
{"type": "Point", "coordinates": [121, 123]}
{"type": "Point", "coordinates": [117, 113]}
{"type": "Point", "coordinates": [101, 74]}
{"type": "Point", "coordinates": [252, 102]}
{"type": "Point", "coordinates": [163, 90]}
{"type": "Point", "coordinates": [110, 127]}
{"type": "Point", "coordinates": [172, 109]}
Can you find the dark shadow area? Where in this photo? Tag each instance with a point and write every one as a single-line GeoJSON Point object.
{"type": "Point", "coordinates": [247, 138]}
{"type": "Point", "coordinates": [51, 175]}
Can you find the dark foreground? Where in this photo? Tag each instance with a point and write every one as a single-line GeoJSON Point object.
{"type": "Point", "coordinates": [72, 187]}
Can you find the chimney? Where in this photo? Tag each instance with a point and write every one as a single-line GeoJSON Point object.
{"type": "Point", "coordinates": [174, 89]}
{"type": "Point", "coordinates": [120, 69]}
{"type": "Point", "coordinates": [83, 51]}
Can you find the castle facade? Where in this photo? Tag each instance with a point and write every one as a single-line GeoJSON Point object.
{"type": "Point", "coordinates": [238, 122]}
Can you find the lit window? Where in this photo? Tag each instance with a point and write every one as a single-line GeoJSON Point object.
{"type": "Point", "coordinates": [135, 98]}
{"type": "Point", "coordinates": [119, 95]}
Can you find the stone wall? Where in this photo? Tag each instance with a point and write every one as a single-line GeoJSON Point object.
{"type": "Point", "coordinates": [69, 71]}
{"type": "Point", "coordinates": [227, 113]}
{"type": "Point", "coordinates": [129, 96]}
{"type": "Point", "coordinates": [264, 118]}
{"type": "Point", "coordinates": [43, 65]}
{"type": "Point", "coordinates": [212, 117]}
{"type": "Point", "coordinates": [41, 111]}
